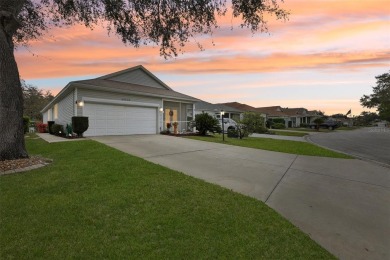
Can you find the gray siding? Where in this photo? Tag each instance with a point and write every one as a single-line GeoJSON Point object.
{"type": "Point", "coordinates": [138, 77]}
{"type": "Point", "coordinates": [116, 96]}
{"type": "Point", "coordinates": [45, 115]}
{"type": "Point", "coordinates": [65, 110]}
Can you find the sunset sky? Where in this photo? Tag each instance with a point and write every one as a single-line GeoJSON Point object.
{"type": "Point", "coordinates": [325, 57]}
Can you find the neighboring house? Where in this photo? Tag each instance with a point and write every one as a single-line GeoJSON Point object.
{"type": "Point", "coordinates": [293, 117]}
{"type": "Point", "coordinates": [244, 108]}
{"type": "Point", "coordinates": [240, 106]}
{"type": "Point", "coordinates": [131, 101]}
{"type": "Point", "coordinates": [215, 110]}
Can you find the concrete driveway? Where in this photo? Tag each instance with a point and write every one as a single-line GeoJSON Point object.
{"type": "Point", "coordinates": [370, 143]}
{"type": "Point", "coordinates": [344, 205]}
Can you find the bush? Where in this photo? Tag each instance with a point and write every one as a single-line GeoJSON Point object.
{"type": "Point", "coordinates": [278, 126]}
{"type": "Point", "coordinates": [278, 121]}
{"type": "Point", "coordinates": [80, 124]}
{"type": "Point", "coordinates": [50, 124]}
{"type": "Point", "coordinates": [26, 124]}
{"type": "Point", "coordinates": [69, 130]}
{"type": "Point", "coordinates": [232, 133]}
{"type": "Point", "coordinates": [42, 128]}
{"type": "Point", "coordinates": [204, 122]}
{"type": "Point", "coordinates": [304, 125]}
{"type": "Point", "coordinates": [253, 122]}
{"type": "Point", "coordinates": [58, 129]}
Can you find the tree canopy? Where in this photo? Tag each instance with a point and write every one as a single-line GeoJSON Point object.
{"type": "Point", "coordinates": [169, 24]}
{"type": "Point", "coordinates": [380, 98]}
{"type": "Point", "coordinates": [34, 100]}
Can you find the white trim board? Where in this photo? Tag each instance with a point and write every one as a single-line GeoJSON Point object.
{"type": "Point", "coordinates": [119, 102]}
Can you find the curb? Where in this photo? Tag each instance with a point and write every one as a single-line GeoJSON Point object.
{"type": "Point", "coordinates": [25, 169]}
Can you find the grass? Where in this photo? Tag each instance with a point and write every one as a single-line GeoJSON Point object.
{"type": "Point", "coordinates": [288, 133]}
{"type": "Point", "coordinates": [284, 146]}
{"type": "Point", "coordinates": [97, 202]}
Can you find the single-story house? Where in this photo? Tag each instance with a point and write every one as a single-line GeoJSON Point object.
{"type": "Point", "coordinates": [215, 110]}
{"type": "Point", "coordinates": [293, 117]}
{"type": "Point", "coordinates": [244, 108]}
{"type": "Point", "coordinates": [130, 101]}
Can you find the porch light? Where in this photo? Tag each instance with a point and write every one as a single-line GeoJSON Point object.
{"type": "Point", "coordinates": [80, 103]}
{"type": "Point", "coordinates": [161, 109]}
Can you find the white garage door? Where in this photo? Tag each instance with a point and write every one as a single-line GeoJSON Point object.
{"type": "Point", "coordinates": [119, 120]}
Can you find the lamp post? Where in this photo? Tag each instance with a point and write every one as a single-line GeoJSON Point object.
{"type": "Point", "coordinates": [223, 125]}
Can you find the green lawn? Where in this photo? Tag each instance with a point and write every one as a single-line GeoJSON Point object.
{"type": "Point", "coordinates": [288, 133]}
{"type": "Point", "coordinates": [284, 146]}
{"type": "Point", "coordinates": [96, 202]}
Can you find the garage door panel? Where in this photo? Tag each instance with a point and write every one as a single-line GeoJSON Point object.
{"type": "Point", "coordinates": [119, 120]}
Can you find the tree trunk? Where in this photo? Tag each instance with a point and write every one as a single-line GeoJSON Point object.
{"type": "Point", "coordinates": [11, 103]}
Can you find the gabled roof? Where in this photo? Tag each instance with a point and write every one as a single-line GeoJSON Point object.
{"type": "Point", "coordinates": [239, 106]}
{"type": "Point", "coordinates": [272, 111]}
{"type": "Point", "coordinates": [117, 74]}
{"type": "Point", "coordinates": [203, 105]}
{"type": "Point", "coordinates": [105, 84]}
{"type": "Point", "coordinates": [133, 88]}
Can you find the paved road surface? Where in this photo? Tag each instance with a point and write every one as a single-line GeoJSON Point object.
{"type": "Point", "coordinates": [371, 143]}
{"type": "Point", "coordinates": [342, 204]}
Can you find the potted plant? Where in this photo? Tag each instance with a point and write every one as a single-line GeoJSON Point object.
{"type": "Point", "coordinates": [175, 124]}
{"type": "Point", "coordinates": [169, 125]}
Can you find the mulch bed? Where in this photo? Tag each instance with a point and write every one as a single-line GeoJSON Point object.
{"type": "Point", "coordinates": [17, 164]}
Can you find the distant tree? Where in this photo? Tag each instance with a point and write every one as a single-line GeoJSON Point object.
{"type": "Point", "coordinates": [206, 123]}
{"type": "Point", "coordinates": [35, 100]}
{"type": "Point", "coordinates": [318, 121]}
{"type": "Point", "coordinates": [167, 23]}
{"type": "Point", "coordinates": [338, 116]}
{"type": "Point", "coordinates": [366, 118]}
{"type": "Point", "coordinates": [380, 99]}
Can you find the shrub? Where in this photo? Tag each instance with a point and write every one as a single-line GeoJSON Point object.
{"type": "Point", "coordinates": [253, 122]}
{"type": "Point", "coordinates": [232, 133]}
{"type": "Point", "coordinates": [50, 124]}
{"type": "Point", "coordinates": [58, 129]}
{"type": "Point", "coordinates": [204, 122]}
{"type": "Point", "coordinates": [42, 128]}
{"type": "Point", "coordinates": [278, 126]}
{"type": "Point", "coordinates": [69, 130]}
{"type": "Point", "coordinates": [304, 125]}
{"type": "Point", "coordinates": [278, 120]}
{"type": "Point", "coordinates": [26, 124]}
{"type": "Point", "coordinates": [80, 124]}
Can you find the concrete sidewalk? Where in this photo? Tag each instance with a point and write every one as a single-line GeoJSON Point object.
{"type": "Point", "coordinates": [342, 204]}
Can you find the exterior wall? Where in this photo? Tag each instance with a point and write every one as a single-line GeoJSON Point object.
{"type": "Point", "coordinates": [45, 117]}
{"type": "Point", "coordinates": [137, 77]}
{"type": "Point", "coordinates": [65, 110]}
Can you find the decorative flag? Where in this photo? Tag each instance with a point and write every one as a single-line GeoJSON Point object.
{"type": "Point", "coordinates": [349, 112]}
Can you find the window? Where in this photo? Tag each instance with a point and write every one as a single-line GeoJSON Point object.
{"type": "Point", "coordinates": [55, 111]}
